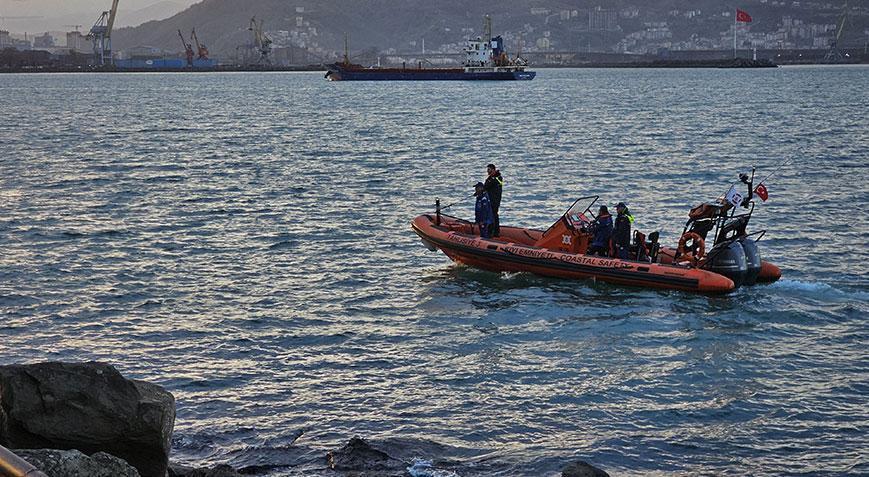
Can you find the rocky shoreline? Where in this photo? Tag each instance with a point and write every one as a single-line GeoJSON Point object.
{"type": "Point", "coordinates": [86, 420]}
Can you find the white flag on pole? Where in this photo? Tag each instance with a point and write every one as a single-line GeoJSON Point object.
{"type": "Point", "coordinates": [733, 196]}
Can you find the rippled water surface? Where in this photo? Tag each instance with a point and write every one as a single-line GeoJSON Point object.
{"type": "Point", "coordinates": [244, 241]}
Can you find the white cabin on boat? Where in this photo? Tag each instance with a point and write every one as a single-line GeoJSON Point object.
{"type": "Point", "coordinates": [488, 54]}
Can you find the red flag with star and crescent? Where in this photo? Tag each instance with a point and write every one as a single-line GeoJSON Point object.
{"type": "Point", "coordinates": [742, 16]}
{"type": "Point", "coordinates": [761, 192]}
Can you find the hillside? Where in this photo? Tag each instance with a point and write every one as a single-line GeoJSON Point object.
{"type": "Point", "coordinates": [159, 10]}
{"type": "Point", "coordinates": [401, 25]}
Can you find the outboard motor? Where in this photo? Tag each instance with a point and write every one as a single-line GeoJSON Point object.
{"type": "Point", "coordinates": [728, 259]}
{"type": "Point", "coordinates": [752, 259]}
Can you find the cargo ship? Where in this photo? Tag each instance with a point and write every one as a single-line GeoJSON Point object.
{"type": "Point", "coordinates": [485, 59]}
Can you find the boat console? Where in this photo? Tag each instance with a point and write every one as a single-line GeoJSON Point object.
{"type": "Point", "coordinates": [570, 233]}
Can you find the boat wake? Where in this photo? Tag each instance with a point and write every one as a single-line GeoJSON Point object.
{"type": "Point", "coordinates": [818, 288]}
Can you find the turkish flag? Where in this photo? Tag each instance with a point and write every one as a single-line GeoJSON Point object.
{"type": "Point", "coordinates": [761, 192]}
{"type": "Point", "coordinates": [742, 16]}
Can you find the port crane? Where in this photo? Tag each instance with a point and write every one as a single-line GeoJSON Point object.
{"type": "Point", "coordinates": [200, 48]}
{"type": "Point", "coordinates": [188, 49]}
{"type": "Point", "coordinates": [261, 42]}
{"type": "Point", "coordinates": [834, 55]}
{"type": "Point", "coordinates": [101, 35]}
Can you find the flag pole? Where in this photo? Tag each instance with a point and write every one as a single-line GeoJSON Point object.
{"type": "Point", "coordinates": [735, 16]}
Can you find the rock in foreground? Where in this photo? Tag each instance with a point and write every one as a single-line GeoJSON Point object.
{"type": "Point", "coordinates": [359, 456]}
{"type": "Point", "coordinates": [72, 463]}
{"type": "Point", "coordinates": [89, 407]}
{"type": "Point", "coordinates": [582, 469]}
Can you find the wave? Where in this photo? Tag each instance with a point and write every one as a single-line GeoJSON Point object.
{"type": "Point", "coordinates": [802, 286]}
{"type": "Point", "coordinates": [283, 244]}
{"type": "Point", "coordinates": [167, 178]}
{"type": "Point", "coordinates": [424, 468]}
{"type": "Point", "coordinates": [818, 288]}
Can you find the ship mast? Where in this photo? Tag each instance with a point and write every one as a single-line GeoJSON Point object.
{"type": "Point", "coordinates": [346, 48]}
{"type": "Point", "coordinates": [518, 45]}
{"type": "Point", "coordinates": [487, 28]}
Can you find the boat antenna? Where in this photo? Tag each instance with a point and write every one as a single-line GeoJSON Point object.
{"type": "Point", "coordinates": [346, 48]}
{"type": "Point", "coordinates": [780, 167]}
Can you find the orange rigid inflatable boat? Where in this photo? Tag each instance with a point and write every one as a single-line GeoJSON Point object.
{"type": "Point", "coordinates": [560, 251]}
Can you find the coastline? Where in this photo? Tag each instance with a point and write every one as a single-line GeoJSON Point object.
{"type": "Point", "coordinates": [219, 69]}
{"type": "Point", "coordinates": [86, 418]}
{"type": "Point", "coordinates": [645, 64]}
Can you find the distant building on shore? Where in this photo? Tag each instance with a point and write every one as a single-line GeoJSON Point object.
{"type": "Point", "coordinates": [44, 41]}
{"type": "Point", "coordinates": [601, 19]}
{"type": "Point", "coordinates": [77, 42]}
{"type": "Point", "coordinates": [7, 41]}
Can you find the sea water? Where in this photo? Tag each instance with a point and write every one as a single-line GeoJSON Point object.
{"type": "Point", "coordinates": [243, 239]}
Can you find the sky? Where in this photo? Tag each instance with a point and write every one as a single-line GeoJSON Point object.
{"type": "Point", "coordinates": [54, 15]}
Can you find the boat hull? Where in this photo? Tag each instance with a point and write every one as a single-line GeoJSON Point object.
{"type": "Point", "coordinates": [509, 254]}
{"type": "Point", "coordinates": [430, 74]}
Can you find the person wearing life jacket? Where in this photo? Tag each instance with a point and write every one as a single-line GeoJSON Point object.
{"type": "Point", "coordinates": [622, 232]}
{"type": "Point", "coordinates": [494, 185]}
{"type": "Point", "coordinates": [602, 230]}
{"type": "Point", "coordinates": [483, 216]}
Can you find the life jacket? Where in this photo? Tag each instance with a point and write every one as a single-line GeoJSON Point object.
{"type": "Point", "coordinates": [628, 215]}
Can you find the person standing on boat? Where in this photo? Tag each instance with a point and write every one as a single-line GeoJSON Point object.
{"type": "Point", "coordinates": [622, 233]}
{"type": "Point", "coordinates": [483, 216]}
{"type": "Point", "coordinates": [494, 185]}
{"type": "Point", "coordinates": [602, 229]}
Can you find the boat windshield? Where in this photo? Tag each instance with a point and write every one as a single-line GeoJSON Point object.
{"type": "Point", "coordinates": [580, 211]}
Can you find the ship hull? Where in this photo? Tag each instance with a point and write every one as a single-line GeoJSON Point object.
{"type": "Point", "coordinates": [431, 74]}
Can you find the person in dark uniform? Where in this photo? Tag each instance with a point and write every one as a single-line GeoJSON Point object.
{"type": "Point", "coordinates": [483, 217]}
{"type": "Point", "coordinates": [602, 230]}
{"type": "Point", "coordinates": [622, 232]}
{"type": "Point", "coordinates": [494, 185]}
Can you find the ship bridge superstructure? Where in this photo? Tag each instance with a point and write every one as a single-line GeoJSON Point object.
{"type": "Point", "coordinates": [486, 53]}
